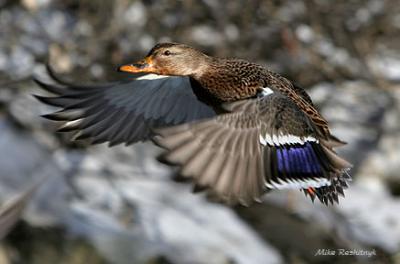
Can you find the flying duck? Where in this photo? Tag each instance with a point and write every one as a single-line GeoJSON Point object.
{"type": "Point", "coordinates": [235, 128]}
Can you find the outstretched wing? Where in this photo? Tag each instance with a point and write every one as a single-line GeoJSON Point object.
{"type": "Point", "coordinates": [265, 143]}
{"type": "Point", "coordinates": [123, 112]}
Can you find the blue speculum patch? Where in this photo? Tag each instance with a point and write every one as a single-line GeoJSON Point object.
{"type": "Point", "coordinates": [298, 160]}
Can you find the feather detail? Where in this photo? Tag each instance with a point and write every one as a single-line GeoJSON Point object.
{"type": "Point", "coordinates": [147, 102]}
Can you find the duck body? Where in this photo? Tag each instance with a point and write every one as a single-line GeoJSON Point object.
{"type": "Point", "coordinates": [231, 80]}
{"type": "Point", "coordinates": [235, 128]}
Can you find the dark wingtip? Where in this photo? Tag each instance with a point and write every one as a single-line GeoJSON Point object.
{"type": "Point", "coordinates": [54, 76]}
{"type": "Point", "coordinates": [163, 159]}
{"type": "Point", "coordinates": [38, 81]}
{"type": "Point", "coordinates": [52, 116]}
{"type": "Point", "coordinates": [52, 88]}
{"type": "Point", "coordinates": [327, 195]}
{"type": "Point", "coordinates": [81, 136]}
{"type": "Point", "coordinates": [97, 141]}
{"type": "Point", "coordinates": [43, 99]}
{"type": "Point", "coordinates": [66, 128]}
{"type": "Point", "coordinates": [335, 198]}
{"type": "Point", "coordinates": [114, 143]}
{"type": "Point", "coordinates": [54, 84]}
{"type": "Point", "coordinates": [199, 188]}
{"type": "Point", "coordinates": [53, 101]}
{"type": "Point", "coordinates": [38, 97]}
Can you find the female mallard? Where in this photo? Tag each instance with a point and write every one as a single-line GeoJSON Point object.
{"type": "Point", "coordinates": [234, 127]}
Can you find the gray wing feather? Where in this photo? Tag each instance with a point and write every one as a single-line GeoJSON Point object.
{"type": "Point", "coordinates": [123, 111]}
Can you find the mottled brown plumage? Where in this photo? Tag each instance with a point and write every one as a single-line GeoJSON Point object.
{"type": "Point", "coordinates": [233, 127]}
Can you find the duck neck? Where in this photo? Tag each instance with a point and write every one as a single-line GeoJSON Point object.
{"type": "Point", "coordinates": [210, 80]}
{"type": "Point", "coordinates": [202, 66]}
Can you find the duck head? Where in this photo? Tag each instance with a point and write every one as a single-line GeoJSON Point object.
{"type": "Point", "coordinates": [170, 59]}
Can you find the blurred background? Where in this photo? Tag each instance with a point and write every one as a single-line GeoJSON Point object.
{"type": "Point", "coordinates": [118, 205]}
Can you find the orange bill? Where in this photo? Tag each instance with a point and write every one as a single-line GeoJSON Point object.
{"type": "Point", "coordinates": [145, 65]}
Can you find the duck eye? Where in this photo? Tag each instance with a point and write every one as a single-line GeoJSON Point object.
{"type": "Point", "coordinates": [167, 53]}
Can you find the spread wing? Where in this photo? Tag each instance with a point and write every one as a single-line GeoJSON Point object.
{"type": "Point", "coordinates": [261, 144]}
{"type": "Point", "coordinates": [123, 112]}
